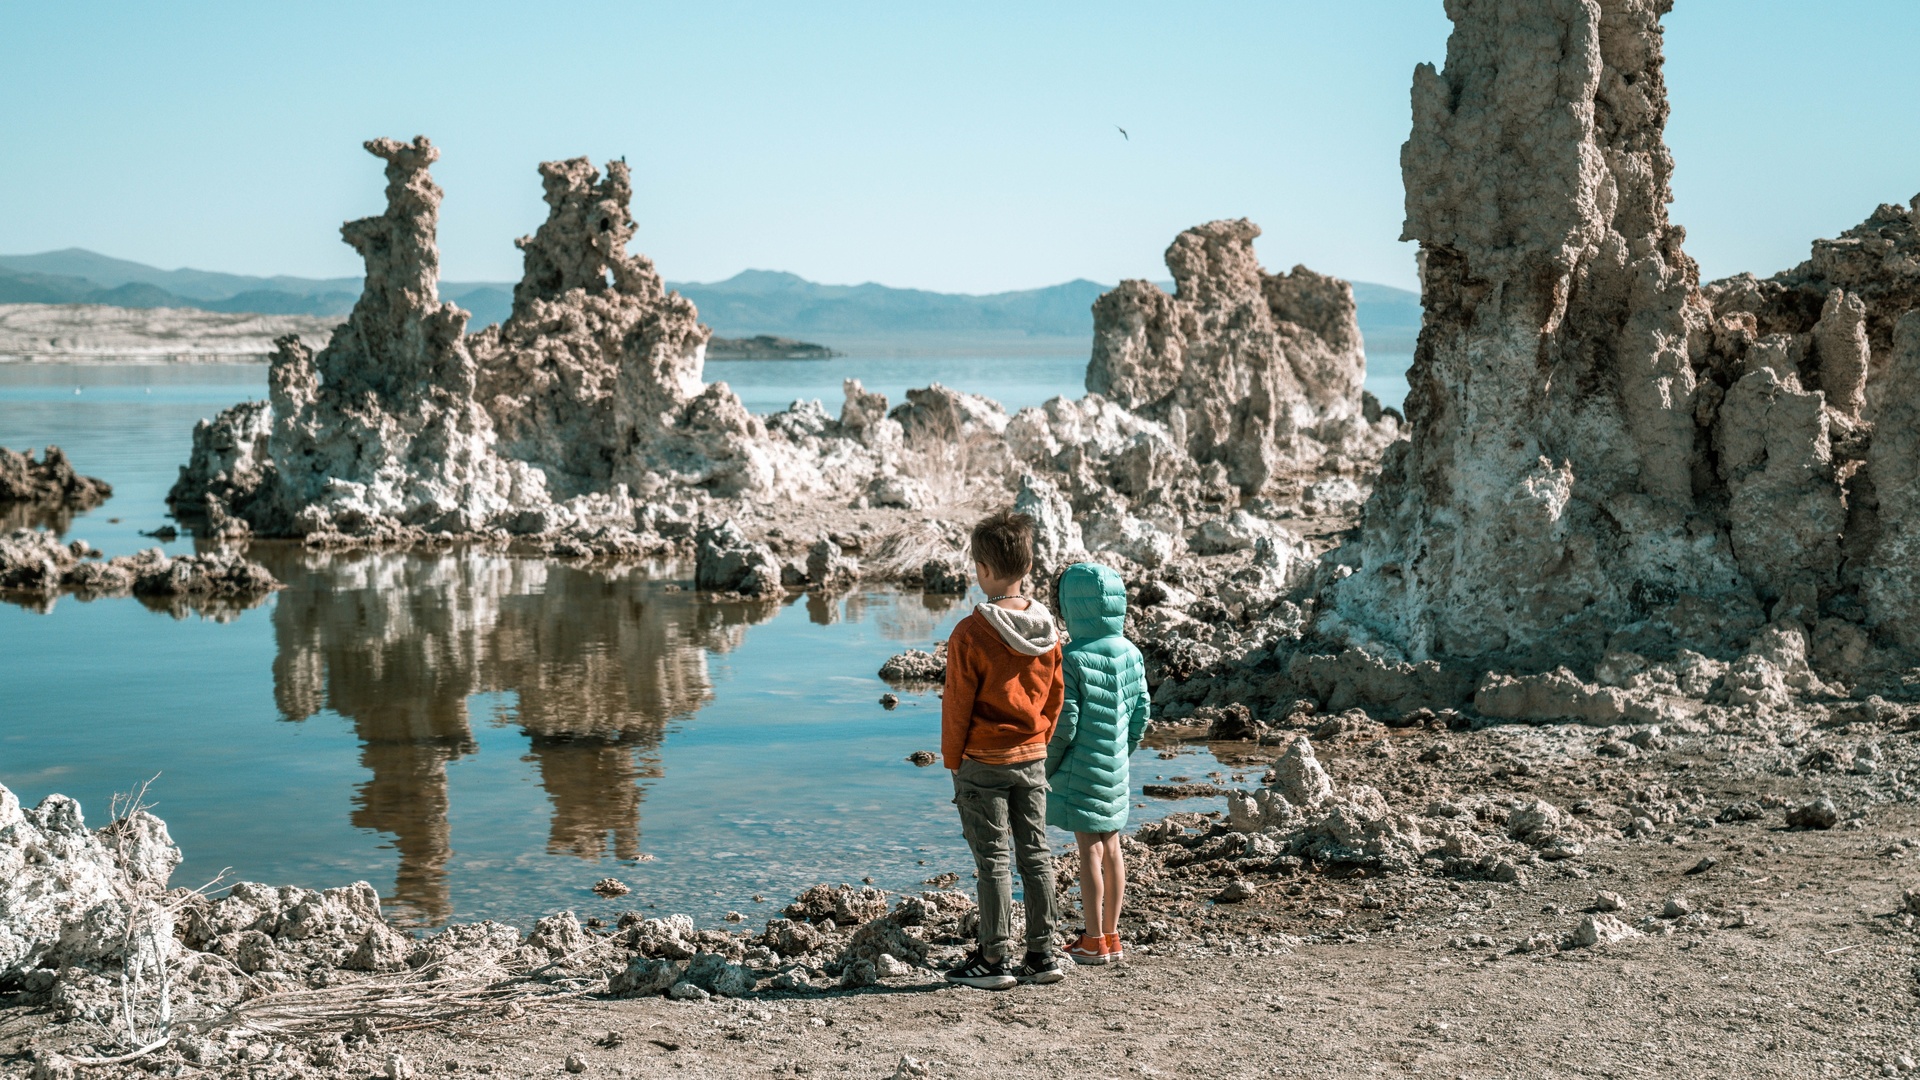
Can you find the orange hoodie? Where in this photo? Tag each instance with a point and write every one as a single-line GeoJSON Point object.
{"type": "Point", "coordinates": [1001, 702]}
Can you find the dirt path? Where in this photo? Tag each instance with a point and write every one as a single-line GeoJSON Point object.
{"type": "Point", "coordinates": [1819, 983]}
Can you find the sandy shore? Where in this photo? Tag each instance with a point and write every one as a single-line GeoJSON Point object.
{"type": "Point", "coordinates": [84, 333]}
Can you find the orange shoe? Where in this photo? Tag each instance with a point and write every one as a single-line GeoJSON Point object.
{"type": "Point", "coordinates": [1111, 943]}
{"type": "Point", "coordinates": [1089, 949]}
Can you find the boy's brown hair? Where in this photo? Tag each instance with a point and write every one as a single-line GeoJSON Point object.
{"type": "Point", "coordinates": [1003, 540]}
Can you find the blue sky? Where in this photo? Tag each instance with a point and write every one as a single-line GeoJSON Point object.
{"type": "Point", "coordinates": [963, 147]}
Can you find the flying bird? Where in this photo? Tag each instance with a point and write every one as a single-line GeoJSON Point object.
{"type": "Point", "coordinates": [1123, 132]}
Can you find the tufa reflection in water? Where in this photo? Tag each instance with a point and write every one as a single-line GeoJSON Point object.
{"type": "Point", "coordinates": [597, 663]}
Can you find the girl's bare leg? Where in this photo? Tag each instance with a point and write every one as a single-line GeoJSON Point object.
{"type": "Point", "coordinates": [1092, 879]}
{"type": "Point", "coordinates": [1113, 885]}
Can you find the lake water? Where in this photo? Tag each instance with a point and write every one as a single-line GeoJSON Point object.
{"type": "Point", "coordinates": [483, 736]}
{"type": "Point", "coordinates": [1015, 383]}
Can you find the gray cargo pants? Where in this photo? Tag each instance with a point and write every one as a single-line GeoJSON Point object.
{"type": "Point", "coordinates": [1004, 806]}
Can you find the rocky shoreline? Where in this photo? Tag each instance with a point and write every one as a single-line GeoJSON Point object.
{"type": "Point", "coordinates": [1338, 833]}
{"type": "Point", "coordinates": [37, 502]}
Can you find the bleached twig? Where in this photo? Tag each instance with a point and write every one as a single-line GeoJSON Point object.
{"type": "Point", "coordinates": [123, 1058]}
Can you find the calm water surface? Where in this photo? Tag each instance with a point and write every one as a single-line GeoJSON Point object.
{"type": "Point", "coordinates": [483, 736]}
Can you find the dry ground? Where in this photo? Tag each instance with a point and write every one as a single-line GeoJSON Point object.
{"type": "Point", "coordinates": [1800, 962]}
{"type": "Point", "coordinates": [1821, 984]}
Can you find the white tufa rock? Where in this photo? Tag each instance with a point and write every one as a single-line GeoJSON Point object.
{"type": "Point", "coordinates": [1601, 929]}
{"type": "Point", "coordinates": [74, 897]}
{"type": "Point", "coordinates": [1298, 777]}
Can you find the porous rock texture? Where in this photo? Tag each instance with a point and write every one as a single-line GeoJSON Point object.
{"type": "Point", "coordinates": [595, 377]}
{"type": "Point", "coordinates": [74, 896]}
{"type": "Point", "coordinates": [1259, 372]}
{"type": "Point", "coordinates": [47, 493]}
{"type": "Point", "coordinates": [1603, 455]}
{"type": "Point", "coordinates": [230, 466]}
{"type": "Point", "coordinates": [49, 481]}
{"type": "Point", "coordinates": [35, 567]}
{"type": "Point", "coordinates": [383, 422]}
{"type": "Point", "coordinates": [381, 427]}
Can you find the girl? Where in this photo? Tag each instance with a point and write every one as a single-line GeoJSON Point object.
{"type": "Point", "coordinates": [1101, 721]}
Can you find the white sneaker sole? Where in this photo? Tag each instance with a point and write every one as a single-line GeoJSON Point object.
{"type": "Point", "coordinates": [985, 982]}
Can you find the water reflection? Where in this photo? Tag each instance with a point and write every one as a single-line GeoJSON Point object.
{"type": "Point", "coordinates": [56, 518]}
{"type": "Point", "coordinates": [595, 663]}
{"type": "Point", "coordinates": [911, 619]}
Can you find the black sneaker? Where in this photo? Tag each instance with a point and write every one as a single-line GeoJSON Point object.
{"type": "Point", "coordinates": [982, 973]}
{"type": "Point", "coordinates": [1039, 969]}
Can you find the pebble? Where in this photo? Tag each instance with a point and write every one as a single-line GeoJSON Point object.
{"type": "Point", "coordinates": [1236, 891]}
{"type": "Point", "coordinates": [922, 758]}
{"type": "Point", "coordinates": [1676, 907]}
{"type": "Point", "coordinates": [1609, 901]}
{"type": "Point", "coordinates": [1818, 814]}
{"type": "Point", "coordinates": [686, 991]}
{"type": "Point", "coordinates": [1535, 943]}
{"type": "Point", "coordinates": [398, 1068]}
{"type": "Point", "coordinates": [912, 1068]}
{"type": "Point", "coordinates": [888, 701]}
{"type": "Point", "coordinates": [1602, 929]}
{"type": "Point", "coordinates": [611, 887]}
{"type": "Point", "coordinates": [576, 1063]}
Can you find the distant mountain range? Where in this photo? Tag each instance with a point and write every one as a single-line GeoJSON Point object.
{"type": "Point", "coordinates": [752, 302]}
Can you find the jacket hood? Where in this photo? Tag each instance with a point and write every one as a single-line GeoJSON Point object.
{"type": "Point", "coordinates": [1030, 632]}
{"type": "Point", "coordinates": [1093, 600]}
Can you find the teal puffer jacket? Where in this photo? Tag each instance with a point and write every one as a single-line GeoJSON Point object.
{"type": "Point", "coordinates": [1105, 712]}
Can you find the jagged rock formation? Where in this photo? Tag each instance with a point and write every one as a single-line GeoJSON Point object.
{"type": "Point", "coordinates": [35, 567]}
{"type": "Point", "coordinates": [52, 479]}
{"type": "Point", "coordinates": [590, 394]}
{"type": "Point", "coordinates": [47, 492]}
{"type": "Point", "coordinates": [382, 423]}
{"type": "Point", "coordinates": [1603, 455]}
{"type": "Point", "coordinates": [595, 377]}
{"type": "Point", "coordinates": [726, 561]}
{"type": "Point", "coordinates": [1842, 305]}
{"type": "Point", "coordinates": [380, 428]}
{"type": "Point", "coordinates": [569, 423]}
{"type": "Point", "coordinates": [1259, 372]}
{"type": "Point", "coordinates": [230, 466]}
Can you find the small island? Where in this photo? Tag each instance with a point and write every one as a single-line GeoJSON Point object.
{"type": "Point", "coordinates": [766, 347]}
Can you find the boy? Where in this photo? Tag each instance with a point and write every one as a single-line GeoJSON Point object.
{"type": "Point", "coordinates": [1003, 696]}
